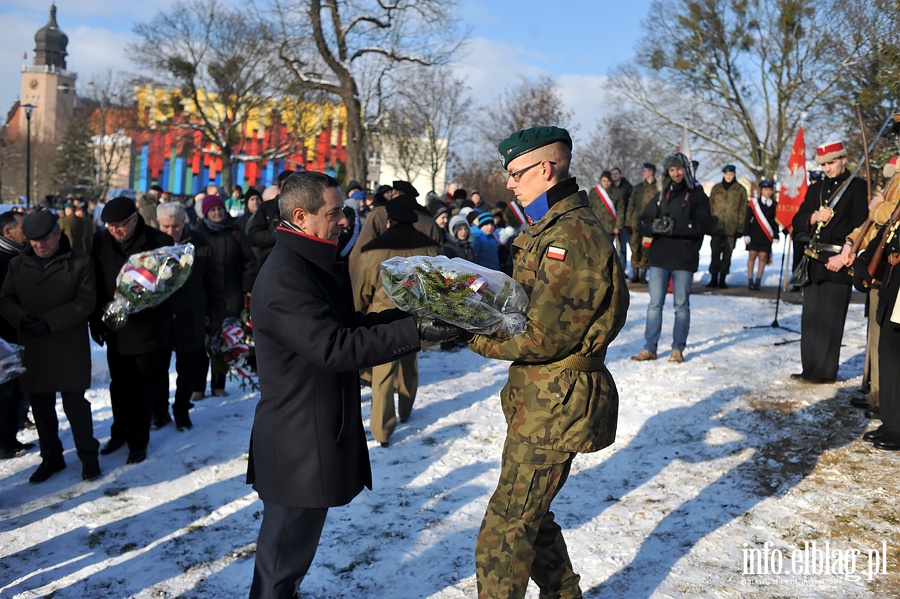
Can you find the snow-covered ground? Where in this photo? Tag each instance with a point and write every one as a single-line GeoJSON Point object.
{"type": "Point", "coordinates": [718, 459]}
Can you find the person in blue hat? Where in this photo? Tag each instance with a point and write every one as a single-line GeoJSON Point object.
{"type": "Point", "coordinates": [759, 233]}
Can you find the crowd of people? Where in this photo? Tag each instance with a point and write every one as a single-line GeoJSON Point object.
{"type": "Point", "coordinates": [301, 259]}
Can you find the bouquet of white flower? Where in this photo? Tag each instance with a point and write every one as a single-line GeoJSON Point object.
{"type": "Point", "coordinates": [477, 299]}
{"type": "Point", "coordinates": [146, 280]}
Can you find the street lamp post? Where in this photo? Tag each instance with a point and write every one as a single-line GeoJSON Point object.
{"type": "Point", "coordinates": [29, 108]}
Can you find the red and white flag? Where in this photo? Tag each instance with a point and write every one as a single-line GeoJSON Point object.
{"type": "Point", "coordinates": [607, 202]}
{"type": "Point", "coordinates": [793, 190]}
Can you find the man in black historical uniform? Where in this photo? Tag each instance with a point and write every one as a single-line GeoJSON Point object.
{"type": "Point", "coordinates": [827, 297]}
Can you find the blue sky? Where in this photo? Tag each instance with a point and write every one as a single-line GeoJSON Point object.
{"type": "Point", "coordinates": [576, 42]}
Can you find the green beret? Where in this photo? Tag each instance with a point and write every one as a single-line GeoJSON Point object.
{"type": "Point", "coordinates": [728, 168]}
{"type": "Point", "coordinates": [526, 140]}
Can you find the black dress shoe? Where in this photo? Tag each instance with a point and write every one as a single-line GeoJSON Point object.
{"type": "Point", "coordinates": [111, 446]}
{"type": "Point", "coordinates": [888, 443]}
{"type": "Point", "coordinates": [875, 435]}
{"type": "Point", "coordinates": [183, 422]}
{"type": "Point", "coordinates": [161, 420]}
{"type": "Point", "coordinates": [90, 469]}
{"type": "Point", "coordinates": [15, 450]}
{"type": "Point", "coordinates": [860, 402]}
{"type": "Point", "coordinates": [136, 456]}
{"type": "Point", "coordinates": [47, 469]}
{"type": "Point", "coordinates": [873, 414]}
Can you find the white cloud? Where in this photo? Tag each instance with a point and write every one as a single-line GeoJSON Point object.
{"type": "Point", "coordinates": [98, 51]}
{"type": "Point", "coordinates": [490, 67]}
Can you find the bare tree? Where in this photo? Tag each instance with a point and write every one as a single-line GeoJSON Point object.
{"type": "Point", "coordinates": [624, 139]}
{"type": "Point", "coordinates": [222, 65]}
{"type": "Point", "coordinates": [740, 75]}
{"type": "Point", "coordinates": [108, 106]}
{"type": "Point", "coordinates": [427, 112]}
{"type": "Point", "coordinates": [531, 103]}
{"type": "Point", "coordinates": [873, 81]}
{"type": "Point", "coordinates": [347, 48]}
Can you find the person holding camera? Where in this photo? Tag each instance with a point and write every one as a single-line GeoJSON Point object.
{"type": "Point", "coordinates": [676, 219]}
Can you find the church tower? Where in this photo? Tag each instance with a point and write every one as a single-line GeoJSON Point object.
{"type": "Point", "coordinates": [47, 84]}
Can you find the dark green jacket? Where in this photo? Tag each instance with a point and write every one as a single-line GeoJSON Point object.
{"type": "Point", "coordinates": [729, 209]}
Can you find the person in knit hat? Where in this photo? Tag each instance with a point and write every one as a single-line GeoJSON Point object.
{"type": "Point", "coordinates": [459, 244]}
{"type": "Point", "coordinates": [485, 245]}
{"type": "Point", "coordinates": [236, 270]}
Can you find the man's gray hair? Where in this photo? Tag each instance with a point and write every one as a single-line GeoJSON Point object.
{"type": "Point", "coordinates": [175, 209]}
{"type": "Point", "coordinates": [306, 190]}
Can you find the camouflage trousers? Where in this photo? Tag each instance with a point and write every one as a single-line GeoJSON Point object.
{"type": "Point", "coordinates": [519, 539]}
{"type": "Point", "coordinates": [638, 251]}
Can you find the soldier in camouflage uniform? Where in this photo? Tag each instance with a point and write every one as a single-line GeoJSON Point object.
{"type": "Point", "coordinates": [609, 218]}
{"type": "Point", "coordinates": [560, 399]}
{"type": "Point", "coordinates": [728, 203]}
{"type": "Point", "coordinates": [641, 195]}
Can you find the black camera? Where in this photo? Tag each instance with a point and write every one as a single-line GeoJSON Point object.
{"type": "Point", "coordinates": [663, 225]}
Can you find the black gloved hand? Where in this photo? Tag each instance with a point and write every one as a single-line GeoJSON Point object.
{"type": "Point", "coordinates": [35, 325]}
{"type": "Point", "coordinates": [862, 280]}
{"type": "Point", "coordinates": [433, 330]}
{"type": "Point", "coordinates": [663, 225]}
{"type": "Point", "coordinates": [98, 332]}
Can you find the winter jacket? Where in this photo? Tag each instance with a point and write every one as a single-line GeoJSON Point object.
{"type": "Point", "coordinates": [235, 262]}
{"type": "Point", "coordinates": [728, 205]}
{"type": "Point", "coordinates": [63, 293]}
{"type": "Point", "coordinates": [680, 249]}
{"type": "Point", "coordinates": [143, 333]}
{"type": "Point", "coordinates": [198, 307]}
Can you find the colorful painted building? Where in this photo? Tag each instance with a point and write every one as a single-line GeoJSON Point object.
{"type": "Point", "coordinates": [284, 134]}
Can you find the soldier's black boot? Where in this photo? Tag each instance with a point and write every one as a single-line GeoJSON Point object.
{"type": "Point", "coordinates": [713, 281]}
{"type": "Point", "coordinates": [722, 284]}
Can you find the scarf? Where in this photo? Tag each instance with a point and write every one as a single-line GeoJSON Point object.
{"type": "Point", "coordinates": [8, 246]}
{"type": "Point", "coordinates": [214, 227]}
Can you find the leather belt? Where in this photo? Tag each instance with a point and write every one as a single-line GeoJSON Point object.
{"type": "Point", "coordinates": [827, 247]}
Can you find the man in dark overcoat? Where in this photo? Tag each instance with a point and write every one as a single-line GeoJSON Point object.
{"type": "Point", "coordinates": [308, 447]}
{"type": "Point", "coordinates": [198, 309]}
{"type": "Point", "coordinates": [133, 351]}
{"type": "Point", "coordinates": [48, 296]}
{"type": "Point", "coordinates": [827, 297]}
{"type": "Point", "coordinates": [12, 242]}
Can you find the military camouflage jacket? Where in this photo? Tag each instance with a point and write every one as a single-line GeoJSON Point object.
{"type": "Point", "coordinates": [599, 207]}
{"type": "Point", "coordinates": [578, 302]}
{"type": "Point", "coordinates": [641, 195]}
{"type": "Point", "coordinates": [729, 209]}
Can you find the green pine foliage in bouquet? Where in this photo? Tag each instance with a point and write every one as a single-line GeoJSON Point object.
{"type": "Point", "coordinates": [477, 299]}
